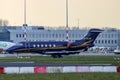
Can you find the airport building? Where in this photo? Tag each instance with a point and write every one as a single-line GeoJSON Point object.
{"type": "Point", "coordinates": [108, 38]}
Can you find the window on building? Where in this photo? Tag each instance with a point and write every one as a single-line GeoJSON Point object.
{"type": "Point", "coordinates": [99, 36]}
{"type": "Point", "coordinates": [23, 35]}
{"type": "Point", "coordinates": [17, 35]}
{"type": "Point", "coordinates": [108, 41]}
{"type": "Point", "coordinates": [112, 36]}
{"type": "Point", "coordinates": [115, 41]}
{"type": "Point", "coordinates": [76, 35]}
{"type": "Point", "coordinates": [99, 41]}
{"type": "Point", "coordinates": [46, 35]}
{"type": "Point", "coordinates": [115, 35]}
{"type": "Point", "coordinates": [63, 35]}
{"type": "Point", "coordinates": [49, 35]}
{"type": "Point", "coordinates": [72, 35]}
{"type": "Point", "coordinates": [39, 35]}
{"type": "Point", "coordinates": [32, 35]}
{"type": "Point", "coordinates": [108, 35]}
{"type": "Point", "coordinates": [56, 35]}
{"type": "Point", "coordinates": [79, 35]}
{"type": "Point", "coordinates": [105, 41]}
{"type": "Point", "coordinates": [105, 35]}
{"type": "Point", "coordinates": [59, 35]}
{"type": "Point", "coordinates": [36, 35]}
{"type": "Point", "coordinates": [53, 35]}
{"type": "Point", "coordinates": [102, 35]}
{"type": "Point", "coordinates": [20, 35]}
{"type": "Point", "coordinates": [112, 41]}
{"type": "Point", "coordinates": [102, 41]}
{"type": "Point", "coordinates": [42, 35]}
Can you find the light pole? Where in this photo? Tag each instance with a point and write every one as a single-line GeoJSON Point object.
{"type": "Point", "coordinates": [67, 35]}
{"type": "Point", "coordinates": [25, 24]}
{"type": "Point", "coordinates": [67, 26]}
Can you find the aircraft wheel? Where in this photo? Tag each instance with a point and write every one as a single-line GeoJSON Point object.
{"type": "Point", "coordinates": [4, 52]}
{"type": "Point", "coordinates": [54, 56]}
{"type": "Point", "coordinates": [60, 56]}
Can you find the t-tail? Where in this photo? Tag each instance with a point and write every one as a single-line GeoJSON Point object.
{"type": "Point", "coordinates": [91, 36]}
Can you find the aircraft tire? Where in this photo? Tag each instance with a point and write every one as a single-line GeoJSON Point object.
{"type": "Point", "coordinates": [54, 56]}
{"type": "Point", "coordinates": [60, 56]}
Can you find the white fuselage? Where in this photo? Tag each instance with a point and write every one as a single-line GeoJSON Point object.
{"type": "Point", "coordinates": [5, 45]}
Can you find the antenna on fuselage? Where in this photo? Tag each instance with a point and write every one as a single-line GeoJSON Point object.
{"type": "Point", "coordinates": [67, 27]}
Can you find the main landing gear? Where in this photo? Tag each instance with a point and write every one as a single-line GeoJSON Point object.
{"type": "Point", "coordinates": [57, 56]}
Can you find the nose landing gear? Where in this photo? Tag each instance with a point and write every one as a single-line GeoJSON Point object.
{"type": "Point", "coordinates": [57, 56]}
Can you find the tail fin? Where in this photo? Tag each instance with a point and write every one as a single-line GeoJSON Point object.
{"type": "Point", "coordinates": [92, 34]}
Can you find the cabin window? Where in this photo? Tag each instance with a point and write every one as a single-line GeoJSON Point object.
{"type": "Point", "coordinates": [41, 45]}
{"type": "Point", "coordinates": [38, 45]}
{"type": "Point", "coordinates": [34, 45]}
{"type": "Point", "coordinates": [54, 45]}
{"type": "Point", "coordinates": [45, 45]}
{"type": "Point", "coordinates": [50, 45]}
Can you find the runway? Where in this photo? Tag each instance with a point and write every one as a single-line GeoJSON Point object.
{"type": "Point", "coordinates": [32, 64]}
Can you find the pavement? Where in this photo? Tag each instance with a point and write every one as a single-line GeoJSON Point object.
{"type": "Point", "coordinates": [32, 64]}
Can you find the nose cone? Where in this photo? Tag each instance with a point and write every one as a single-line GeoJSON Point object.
{"type": "Point", "coordinates": [6, 45]}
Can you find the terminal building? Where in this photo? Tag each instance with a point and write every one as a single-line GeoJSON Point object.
{"type": "Point", "coordinates": [109, 38]}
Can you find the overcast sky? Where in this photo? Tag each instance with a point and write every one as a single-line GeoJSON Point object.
{"type": "Point", "coordinates": [89, 13]}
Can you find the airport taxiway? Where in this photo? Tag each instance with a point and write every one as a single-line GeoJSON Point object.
{"type": "Point", "coordinates": [32, 64]}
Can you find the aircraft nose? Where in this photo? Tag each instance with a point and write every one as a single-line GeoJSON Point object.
{"type": "Point", "coordinates": [1, 49]}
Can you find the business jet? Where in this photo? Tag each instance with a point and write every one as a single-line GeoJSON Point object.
{"type": "Point", "coordinates": [54, 48]}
